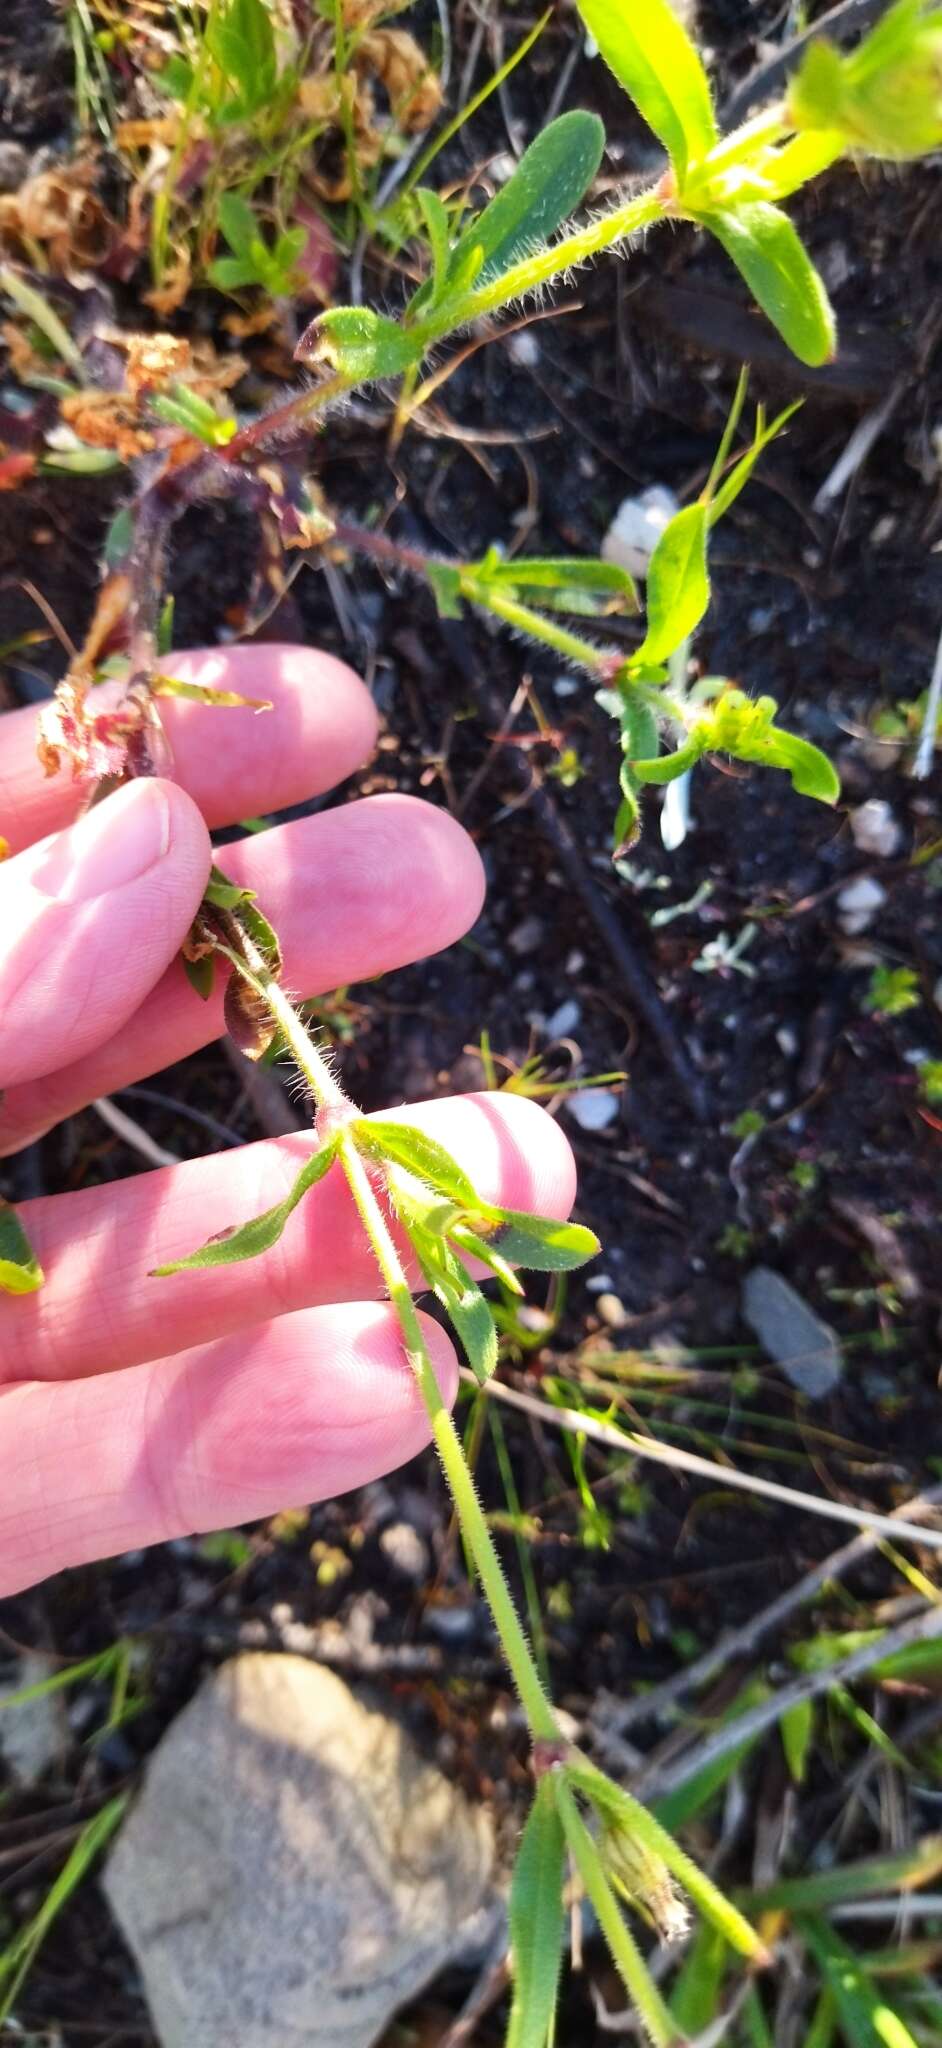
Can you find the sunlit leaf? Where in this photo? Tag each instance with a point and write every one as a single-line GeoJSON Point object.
{"type": "Point", "coordinates": [358, 344]}
{"type": "Point", "coordinates": [537, 1922]}
{"type": "Point", "coordinates": [462, 1300]}
{"type": "Point", "coordinates": [550, 180]}
{"type": "Point", "coordinates": [435, 217]}
{"type": "Point", "coordinates": [247, 1240]}
{"type": "Point", "coordinates": [406, 1146]}
{"type": "Point", "coordinates": [865, 2017]}
{"type": "Point", "coordinates": [20, 1270]}
{"type": "Point", "coordinates": [542, 1245]}
{"type": "Point", "coordinates": [201, 693]}
{"type": "Point", "coordinates": [797, 1728]}
{"type": "Point", "coordinates": [652, 56]}
{"type": "Point", "coordinates": [771, 256]}
{"type": "Point", "coordinates": [678, 587]}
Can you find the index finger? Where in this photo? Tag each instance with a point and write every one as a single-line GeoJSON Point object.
{"type": "Point", "coordinates": [233, 762]}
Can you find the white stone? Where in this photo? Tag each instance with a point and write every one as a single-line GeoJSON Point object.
{"type": "Point", "coordinates": [293, 1870]}
{"type": "Point", "coordinates": [526, 937]}
{"type": "Point", "coordinates": [875, 829]}
{"type": "Point", "coordinates": [593, 1109]}
{"type": "Point", "coordinates": [637, 527]}
{"type": "Point", "coordinates": [858, 903]}
{"type": "Point", "coordinates": [524, 349]}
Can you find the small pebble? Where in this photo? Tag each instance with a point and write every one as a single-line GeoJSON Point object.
{"type": "Point", "coordinates": [612, 1311]}
{"type": "Point", "coordinates": [566, 686]}
{"type": "Point", "coordinates": [14, 166]}
{"type": "Point", "coordinates": [637, 527]}
{"type": "Point", "coordinates": [594, 1109]}
{"type": "Point", "coordinates": [858, 903]}
{"type": "Point", "coordinates": [575, 962]}
{"type": "Point", "coordinates": [524, 349]}
{"type": "Point", "coordinates": [787, 1040]}
{"type": "Point", "coordinates": [875, 829]}
{"type": "Point", "coordinates": [404, 1549]}
{"type": "Point", "coordinates": [526, 936]}
{"type": "Point", "coordinates": [564, 1020]}
{"type": "Point", "coordinates": [600, 1283]}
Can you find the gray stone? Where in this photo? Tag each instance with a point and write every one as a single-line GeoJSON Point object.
{"type": "Point", "coordinates": [34, 1734]}
{"type": "Point", "coordinates": [806, 1348]}
{"type": "Point", "coordinates": [293, 1871]}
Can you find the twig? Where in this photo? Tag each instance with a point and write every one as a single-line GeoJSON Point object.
{"type": "Point", "coordinates": [125, 1128]}
{"type": "Point", "coordinates": [656, 1778]}
{"type": "Point", "coordinates": [926, 748]}
{"type": "Point", "coordinates": [632, 1445]}
{"type": "Point", "coordinates": [743, 1642]}
{"type": "Point", "coordinates": [856, 450]}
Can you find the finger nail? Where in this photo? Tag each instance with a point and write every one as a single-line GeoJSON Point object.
{"type": "Point", "coordinates": [116, 842]}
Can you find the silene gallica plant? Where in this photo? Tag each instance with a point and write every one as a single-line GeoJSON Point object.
{"type": "Point", "coordinates": [882, 100]}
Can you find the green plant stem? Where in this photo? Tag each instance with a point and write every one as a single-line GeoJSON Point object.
{"type": "Point", "coordinates": [624, 1951]}
{"type": "Point", "coordinates": [329, 1096]}
{"type": "Point", "coordinates": [537, 626]}
{"type": "Point", "coordinates": [546, 265]}
{"type": "Point", "coordinates": [536, 1706]}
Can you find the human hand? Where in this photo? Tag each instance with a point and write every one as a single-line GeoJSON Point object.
{"type": "Point", "coordinates": [134, 1409]}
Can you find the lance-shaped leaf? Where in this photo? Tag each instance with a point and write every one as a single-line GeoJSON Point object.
{"type": "Point", "coordinates": [678, 588]}
{"type": "Point", "coordinates": [248, 1240]}
{"type": "Point", "coordinates": [567, 583]}
{"type": "Point", "coordinates": [461, 1298]}
{"type": "Point", "coordinates": [536, 1921]}
{"type": "Point", "coordinates": [745, 727]}
{"type": "Point", "coordinates": [405, 1146]}
{"type": "Point", "coordinates": [550, 180]}
{"type": "Point", "coordinates": [772, 258]}
{"type": "Point", "coordinates": [541, 1244]}
{"type": "Point", "coordinates": [653, 58]}
{"type": "Point", "coordinates": [865, 2017]}
{"type": "Point", "coordinates": [20, 1270]}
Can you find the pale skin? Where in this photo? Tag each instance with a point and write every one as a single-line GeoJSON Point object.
{"type": "Point", "coordinates": [134, 1409]}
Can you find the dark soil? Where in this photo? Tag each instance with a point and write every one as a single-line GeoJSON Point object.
{"type": "Point", "coordinates": [834, 612]}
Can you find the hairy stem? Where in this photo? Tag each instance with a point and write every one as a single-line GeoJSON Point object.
{"type": "Point", "coordinates": [330, 1097]}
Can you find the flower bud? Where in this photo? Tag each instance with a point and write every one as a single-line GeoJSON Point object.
{"type": "Point", "coordinates": [644, 1880]}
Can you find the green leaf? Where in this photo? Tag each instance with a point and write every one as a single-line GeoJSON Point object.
{"type": "Point", "coordinates": [678, 585]}
{"type": "Point", "coordinates": [230, 273]}
{"type": "Point", "coordinates": [20, 1270]}
{"type": "Point", "coordinates": [202, 693]}
{"type": "Point", "coordinates": [770, 255]}
{"type": "Point", "coordinates": [242, 40]}
{"type": "Point", "coordinates": [404, 1145]}
{"type": "Point", "coordinates": [445, 585]}
{"type": "Point", "coordinates": [652, 56]}
{"type": "Point", "coordinates": [435, 218]}
{"type": "Point", "coordinates": [744, 727]}
{"type": "Point", "coordinates": [797, 1727]}
{"type": "Point", "coordinates": [865, 2018]}
{"type": "Point", "coordinates": [576, 584]}
{"type": "Point", "coordinates": [665, 768]}
{"type": "Point", "coordinates": [736, 479]}
{"type": "Point", "coordinates": [553, 175]}
{"type": "Point", "coordinates": [357, 343]}
{"type": "Point", "coordinates": [238, 223]}
{"type": "Point", "coordinates": [462, 1300]}
{"type": "Point", "coordinates": [200, 974]}
{"type": "Point", "coordinates": [696, 1997]}
{"type": "Point", "coordinates": [247, 1240]}
{"type": "Point", "coordinates": [537, 1922]}
{"type": "Point", "coordinates": [541, 1244]}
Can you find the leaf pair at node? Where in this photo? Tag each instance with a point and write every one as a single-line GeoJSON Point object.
{"type": "Point", "coordinates": [620, 1855]}
{"type": "Point", "coordinates": [444, 1218]}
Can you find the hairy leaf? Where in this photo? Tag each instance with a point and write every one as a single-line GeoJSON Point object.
{"type": "Point", "coordinates": [772, 258]}
{"type": "Point", "coordinates": [241, 38]}
{"type": "Point", "coordinates": [405, 1146]}
{"type": "Point", "coordinates": [461, 1298]}
{"type": "Point", "coordinates": [553, 175]}
{"type": "Point", "coordinates": [541, 1244]}
{"type": "Point", "coordinates": [537, 1921]}
{"type": "Point", "coordinates": [20, 1270]}
{"type": "Point", "coordinates": [247, 1240]}
{"type": "Point", "coordinates": [652, 56]}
